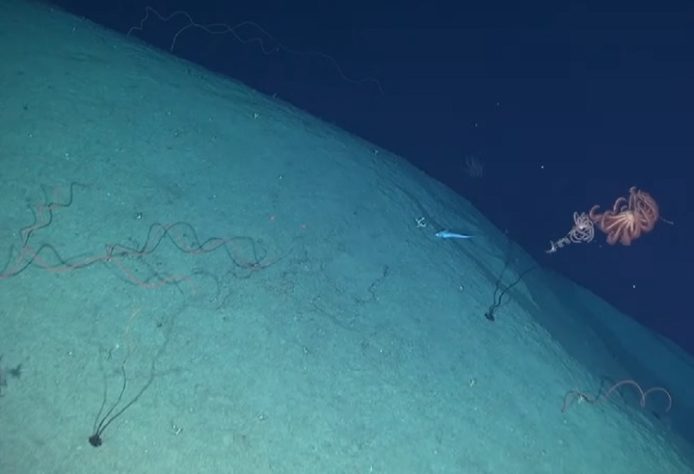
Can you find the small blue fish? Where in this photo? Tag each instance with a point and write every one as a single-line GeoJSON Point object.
{"type": "Point", "coordinates": [447, 234]}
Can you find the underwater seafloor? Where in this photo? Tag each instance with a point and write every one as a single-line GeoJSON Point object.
{"type": "Point", "coordinates": [200, 278]}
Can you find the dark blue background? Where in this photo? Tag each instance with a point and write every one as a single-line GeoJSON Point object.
{"type": "Point", "coordinates": [568, 104]}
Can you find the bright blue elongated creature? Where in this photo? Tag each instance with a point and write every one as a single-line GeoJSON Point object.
{"type": "Point", "coordinates": [447, 234]}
